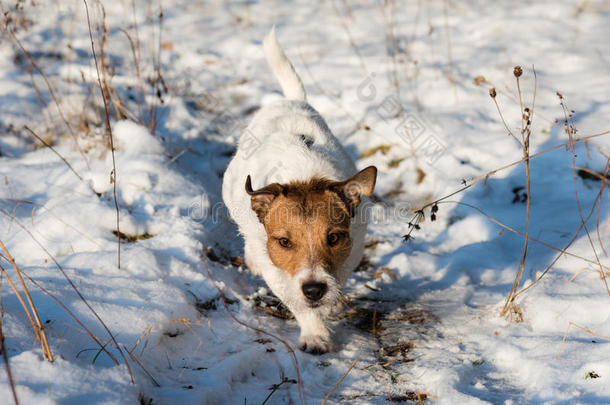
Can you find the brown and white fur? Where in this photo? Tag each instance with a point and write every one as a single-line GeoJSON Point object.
{"type": "Point", "coordinates": [296, 196]}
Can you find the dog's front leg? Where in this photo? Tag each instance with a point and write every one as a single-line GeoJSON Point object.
{"type": "Point", "coordinates": [315, 336]}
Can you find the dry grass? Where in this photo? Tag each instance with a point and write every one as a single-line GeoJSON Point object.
{"type": "Point", "coordinates": [523, 138]}
{"type": "Point", "coordinates": [590, 332]}
{"type": "Point", "coordinates": [35, 322]}
{"type": "Point", "coordinates": [78, 293]}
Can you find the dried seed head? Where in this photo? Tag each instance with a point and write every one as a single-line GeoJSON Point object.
{"type": "Point", "coordinates": [492, 92]}
{"type": "Point", "coordinates": [479, 79]}
{"type": "Point", "coordinates": [517, 71]}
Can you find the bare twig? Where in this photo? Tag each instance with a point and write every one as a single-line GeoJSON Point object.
{"type": "Point", "coordinates": [276, 387]}
{"type": "Point", "coordinates": [564, 251]}
{"type": "Point", "coordinates": [48, 145]}
{"type": "Point", "coordinates": [138, 75]}
{"type": "Point", "coordinates": [571, 130]}
{"type": "Point", "coordinates": [139, 363]}
{"type": "Point", "coordinates": [340, 379]}
{"type": "Point", "coordinates": [590, 332]}
{"type": "Point", "coordinates": [485, 176]}
{"type": "Point", "coordinates": [508, 228]}
{"type": "Point", "coordinates": [113, 175]}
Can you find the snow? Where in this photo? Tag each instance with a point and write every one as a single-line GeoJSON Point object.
{"type": "Point", "coordinates": [434, 328]}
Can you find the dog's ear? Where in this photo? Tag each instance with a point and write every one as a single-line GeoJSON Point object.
{"type": "Point", "coordinates": [350, 190]}
{"type": "Point", "coordinates": [261, 199]}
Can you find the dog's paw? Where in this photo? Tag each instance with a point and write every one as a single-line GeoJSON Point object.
{"type": "Point", "coordinates": [315, 344]}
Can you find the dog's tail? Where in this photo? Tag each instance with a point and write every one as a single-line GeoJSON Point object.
{"type": "Point", "coordinates": [282, 68]}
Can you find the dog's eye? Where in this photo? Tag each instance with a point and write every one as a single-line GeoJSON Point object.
{"type": "Point", "coordinates": [285, 243]}
{"type": "Point", "coordinates": [333, 238]}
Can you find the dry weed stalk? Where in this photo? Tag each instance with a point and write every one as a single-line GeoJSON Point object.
{"type": "Point", "coordinates": [36, 324]}
{"type": "Point", "coordinates": [340, 379]}
{"type": "Point", "coordinates": [113, 174]}
{"type": "Point", "coordinates": [570, 242]}
{"type": "Point", "coordinates": [526, 121]}
{"type": "Point", "coordinates": [571, 131]}
{"type": "Point", "coordinates": [483, 178]}
{"type": "Point", "coordinates": [590, 332]}
{"type": "Point", "coordinates": [48, 145]}
{"type": "Point", "coordinates": [526, 116]}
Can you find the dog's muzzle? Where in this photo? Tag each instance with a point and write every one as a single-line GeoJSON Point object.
{"type": "Point", "coordinates": [314, 291]}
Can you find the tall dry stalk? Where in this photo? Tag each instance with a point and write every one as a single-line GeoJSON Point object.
{"type": "Point", "coordinates": [36, 324]}
{"type": "Point", "coordinates": [526, 120]}
{"type": "Point", "coordinates": [113, 175]}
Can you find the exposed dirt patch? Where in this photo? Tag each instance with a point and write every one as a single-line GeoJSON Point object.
{"type": "Point", "coordinates": [272, 305]}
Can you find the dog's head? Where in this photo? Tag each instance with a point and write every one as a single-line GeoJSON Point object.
{"type": "Point", "coordinates": [308, 229]}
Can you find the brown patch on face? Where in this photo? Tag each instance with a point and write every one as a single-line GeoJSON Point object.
{"type": "Point", "coordinates": [307, 223]}
{"type": "Point", "coordinates": [307, 227]}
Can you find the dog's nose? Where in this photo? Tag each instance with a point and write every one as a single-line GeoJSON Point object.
{"type": "Point", "coordinates": [314, 291]}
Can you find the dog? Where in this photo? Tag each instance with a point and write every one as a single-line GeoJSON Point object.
{"type": "Point", "coordinates": [296, 197]}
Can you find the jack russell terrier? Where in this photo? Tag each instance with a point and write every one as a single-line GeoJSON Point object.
{"type": "Point", "coordinates": [295, 194]}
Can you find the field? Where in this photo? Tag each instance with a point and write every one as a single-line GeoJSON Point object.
{"type": "Point", "coordinates": [486, 275]}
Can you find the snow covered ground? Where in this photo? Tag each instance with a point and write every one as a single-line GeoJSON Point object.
{"type": "Point", "coordinates": [404, 87]}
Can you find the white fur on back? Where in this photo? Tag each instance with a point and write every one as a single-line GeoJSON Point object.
{"type": "Point", "coordinates": [292, 87]}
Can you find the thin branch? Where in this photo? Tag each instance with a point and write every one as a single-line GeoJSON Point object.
{"type": "Point", "coordinates": [48, 145]}
{"type": "Point", "coordinates": [341, 379]}
{"type": "Point", "coordinates": [508, 228]}
{"type": "Point", "coordinates": [485, 176]}
{"type": "Point", "coordinates": [590, 332]}
{"type": "Point", "coordinates": [276, 387]}
{"type": "Point", "coordinates": [525, 138]}
{"type": "Point", "coordinates": [570, 130]}
{"type": "Point", "coordinates": [113, 175]}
